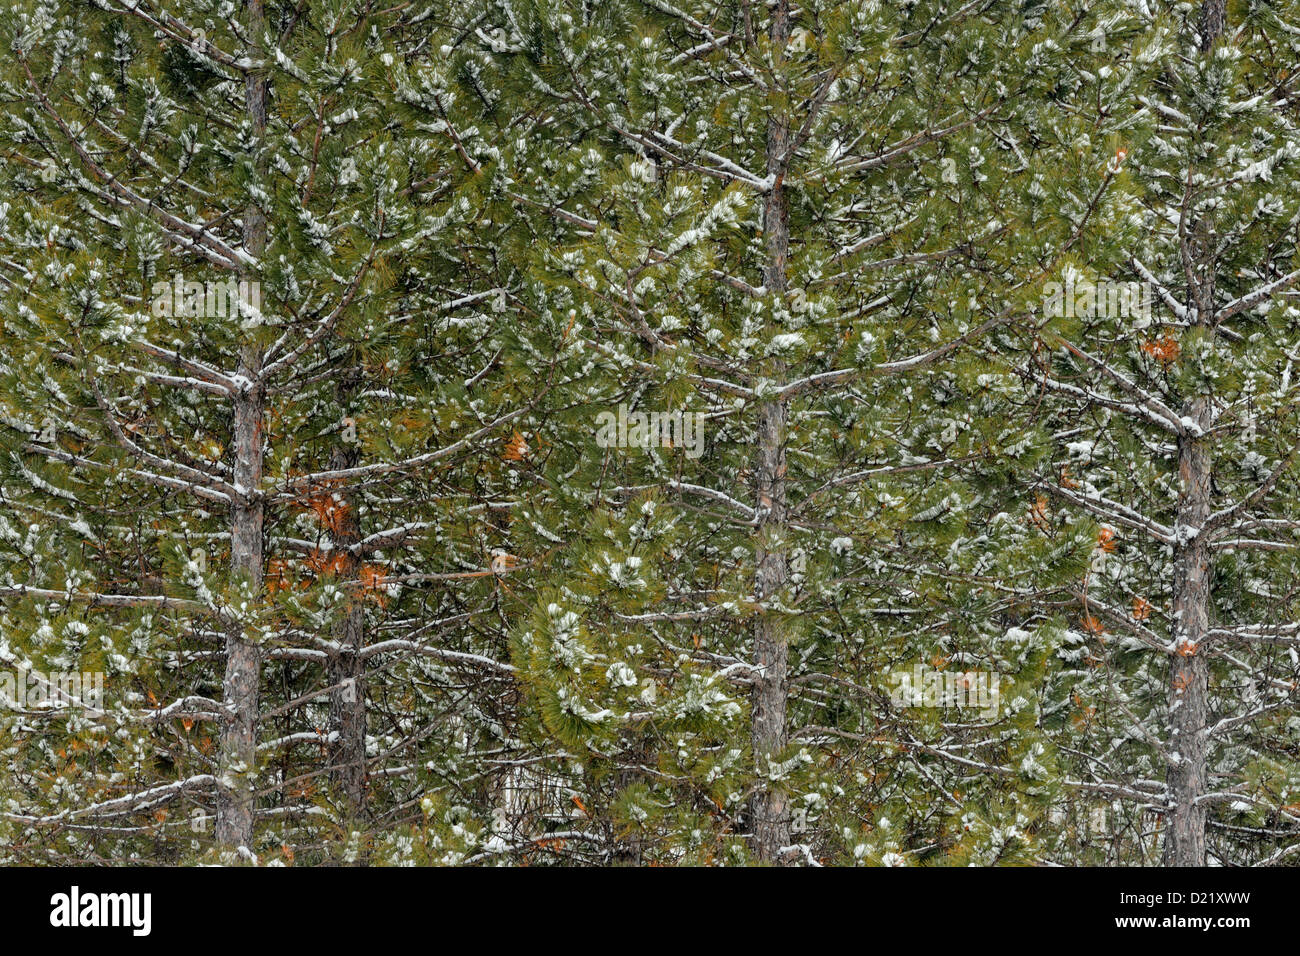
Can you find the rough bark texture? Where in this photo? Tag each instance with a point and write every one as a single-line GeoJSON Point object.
{"type": "Point", "coordinates": [345, 669]}
{"type": "Point", "coordinates": [770, 809]}
{"type": "Point", "coordinates": [236, 801]}
{"type": "Point", "coordinates": [1188, 669]}
{"type": "Point", "coordinates": [1188, 673]}
{"type": "Point", "coordinates": [235, 792]}
{"type": "Point", "coordinates": [1214, 15]}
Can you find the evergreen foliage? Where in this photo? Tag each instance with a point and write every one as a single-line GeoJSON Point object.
{"type": "Point", "coordinates": [673, 432]}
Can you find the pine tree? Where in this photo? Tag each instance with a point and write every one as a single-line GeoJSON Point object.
{"type": "Point", "coordinates": [1172, 414]}
{"type": "Point", "coordinates": [690, 432]}
{"type": "Point", "coordinates": [797, 225]}
{"type": "Point", "coordinates": [223, 269]}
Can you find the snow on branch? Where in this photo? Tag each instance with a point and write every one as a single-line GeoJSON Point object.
{"type": "Point", "coordinates": [1113, 511]}
{"type": "Point", "coordinates": [292, 488]}
{"type": "Point", "coordinates": [903, 147]}
{"type": "Point", "coordinates": [120, 806]}
{"type": "Point", "coordinates": [229, 383]}
{"type": "Point", "coordinates": [1151, 403]}
{"type": "Point", "coordinates": [91, 599]}
{"type": "Point", "coordinates": [1220, 518]}
{"type": "Point", "coordinates": [194, 40]}
{"type": "Point", "coordinates": [187, 234]}
{"type": "Point", "coordinates": [426, 650]}
{"type": "Point", "coordinates": [1177, 308]}
{"type": "Point", "coordinates": [739, 507]}
{"type": "Point", "coordinates": [1252, 299]}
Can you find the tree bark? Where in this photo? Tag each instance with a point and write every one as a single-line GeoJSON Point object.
{"type": "Point", "coordinates": [769, 808]}
{"type": "Point", "coordinates": [236, 801]}
{"type": "Point", "coordinates": [238, 758]}
{"type": "Point", "coordinates": [1214, 15]}
{"type": "Point", "coordinates": [345, 669]}
{"type": "Point", "coordinates": [1188, 670]}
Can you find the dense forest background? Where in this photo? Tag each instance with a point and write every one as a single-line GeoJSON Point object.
{"type": "Point", "coordinates": [654, 432]}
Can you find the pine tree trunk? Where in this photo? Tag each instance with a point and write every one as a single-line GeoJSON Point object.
{"type": "Point", "coordinates": [771, 816]}
{"type": "Point", "coordinates": [345, 670]}
{"type": "Point", "coordinates": [236, 801]}
{"type": "Point", "coordinates": [1188, 672]}
{"type": "Point", "coordinates": [1214, 15]}
{"type": "Point", "coordinates": [235, 796]}
{"type": "Point", "coordinates": [347, 750]}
